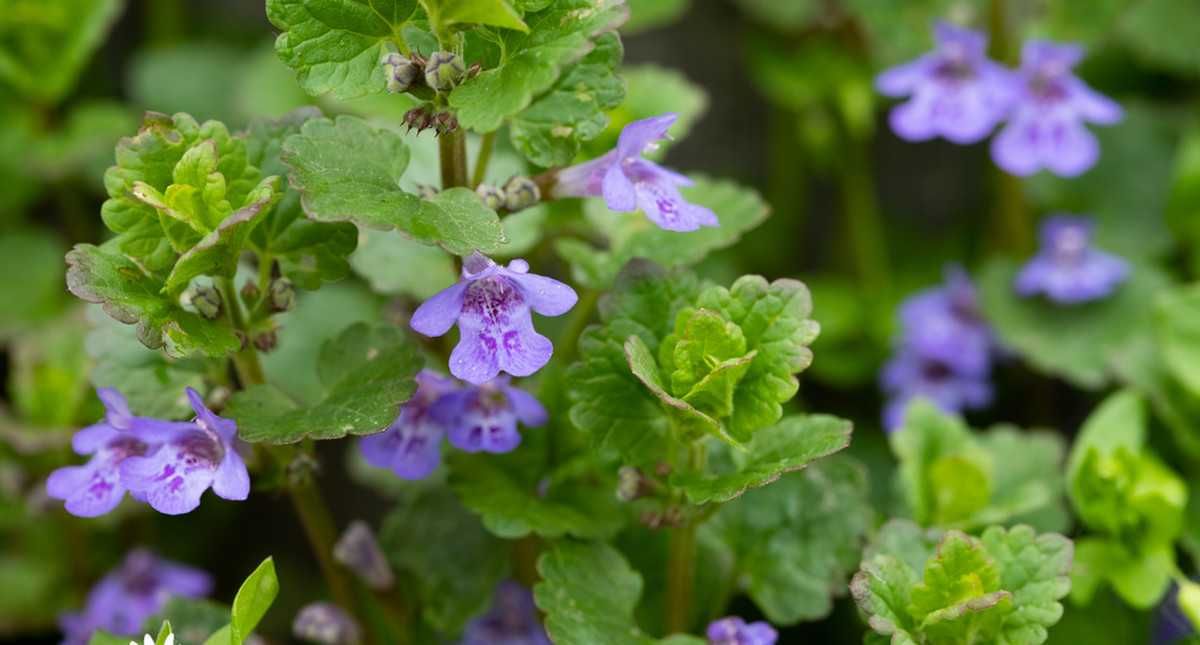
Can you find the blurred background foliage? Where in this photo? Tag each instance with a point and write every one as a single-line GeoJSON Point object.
{"type": "Point", "coordinates": [776, 94]}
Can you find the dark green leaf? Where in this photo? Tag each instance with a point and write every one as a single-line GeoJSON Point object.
{"type": "Point", "coordinates": [48, 42]}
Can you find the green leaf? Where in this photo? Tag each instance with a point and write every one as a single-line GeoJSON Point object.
{"type": "Point", "coordinates": [898, 31]}
{"type": "Point", "coordinates": [104, 638]}
{"type": "Point", "coordinates": [651, 90]}
{"type": "Point", "coordinates": [497, 13]}
{"type": "Point", "coordinates": [533, 61]}
{"type": "Point", "coordinates": [631, 235]}
{"type": "Point", "coordinates": [1177, 327]}
{"type": "Point", "coordinates": [1001, 588]}
{"type": "Point", "coordinates": [1074, 342]}
{"type": "Point", "coordinates": [514, 503]}
{"type": "Point", "coordinates": [550, 131]}
{"type": "Point", "coordinates": [335, 46]}
{"type": "Point", "coordinates": [366, 372]}
{"type": "Point", "coordinates": [608, 401]}
{"type": "Point", "coordinates": [348, 170]}
{"type": "Point", "coordinates": [48, 370]}
{"type": "Point", "coordinates": [35, 256]}
{"type": "Point", "coordinates": [454, 562]}
{"type": "Point", "coordinates": [102, 275]}
{"type": "Point", "coordinates": [252, 601]}
{"type": "Point", "coordinates": [796, 541]}
{"type": "Point", "coordinates": [309, 253]}
{"type": "Point", "coordinates": [785, 447]}
{"type": "Point", "coordinates": [48, 42]}
{"type": "Point", "coordinates": [1164, 33]}
{"type": "Point", "coordinates": [395, 265]}
{"type": "Point", "coordinates": [645, 15]}
{"type": "Point", "coordinates": [589, 592]}
{"type": "Point", "coordinates": [81, 148]}
{"type": "Point", "coordinates": [192, 620]}
{"type": "Point", "coordinates": [211, 69]}
{"type": "Point", "coordinates": [786, 16]}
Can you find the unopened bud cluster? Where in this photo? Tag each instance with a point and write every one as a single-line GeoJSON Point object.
{"type": "Point", "coordinates": [441, 72]}
{"type": "Point", "coordinates": [204, 299]}
{"type": "Point", "coordinates": [422, 118]}
{"type": "Point", "coordinates": [517, 194]}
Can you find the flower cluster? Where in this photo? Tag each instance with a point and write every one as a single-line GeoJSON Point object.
{"type": "Point", "coordinates": [136, 590]}
{"type": "Point", "coordinates": [629, 183]}
{"type": "Point", "coordinates": [1068, 269]}
{"type": "Point", "coordinates": [167, 464]}
{"type": "Point", "coordinates": [957, 93]}
{"type": "Point", "coordinates": [944, 353]}
{"type": "Point", "coordinates": [475, 418]}
{"type": "Point", "coordinates": [511, 620]}
{"type": "Point", "coordinates": [733, 630]}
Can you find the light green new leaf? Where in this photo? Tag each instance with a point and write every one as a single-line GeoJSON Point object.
{"type": "Point", "coordinates": [452, 560]}
{"type": "Point", "coordinates": [366, 373]}
{"type": "Point", "coordinates": [335, 46]}
{"type": "Point", "coordinates": [1035, 570]}
{"type": "Point", "coordinates": [498, 13]}
{"type": "Point", "coordinates": [309, 253]}
{"type": "Point", "coordinates": [789, 445]}
{"type": "Point", "coordinates": [47, 43]}
{"type": "Point", "coordinates": [557, 36]}
{"type": "Point", "coordinates": [252, 601]}
{"type": "Point", "coordinates": [796, 541]}
{"type": "Point", "coordinates": [1074, 342]}
{"type": "Point", "coordinates": [549, 132]}
{"type": "Point", "coordinates": [632, 235]}
{"type": "Point", "coordinates": [347, 170]}
{"type": "Point", "coordinates": [103, 275]}
{"type": "Point", "coordinates": [589, 592]}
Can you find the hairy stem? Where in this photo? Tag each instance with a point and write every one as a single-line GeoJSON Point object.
{"type": "Point", "coordinates": [245, 362]}
{"type": "Point", "coordinates": [482, 158]}
{"type": "Point", "coordinates": [1012, 221]}
{"type": "Point", "coordinates": [681, 571]}
{"type": "Point", "coordinates": [452, 152]}
{"type": "Point", "coordinates": [319, 528]}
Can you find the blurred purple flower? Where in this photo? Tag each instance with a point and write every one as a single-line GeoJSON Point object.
{"type": "Point", "coordinates": [1045, 128]}
{"type": "Point", "coordinates": [327, 624]}
{"type": "Point", "coordinates": [909, 376]}
{"type": "Point", "coordinates": [732, 630]}
{"type": "Point", "coordinates": [1068, 269]}
{"type": "Point", "coordinates": [491, 305]}
{"type": "Point", "coordinates": [412, 446]}
{"type": "Point", "coordinates": [945, 324]}
{"type": "Point", "coordinates": [944, 352]}
{"type": "Point", "coordinates": [136, 590]}
{"type": "Point", "coordinates": [511, 620]}
{"type": "Point", "coordinates": [628, 183]}
{"type": "Point", "coordinates": [957, 93]}
{"type": "Point", "coordinates": [1171, 625]}
{"type": "Point", "coordinates": [193, 458]}
{"type": "Point", "coordinates": [358, 550]}
{"type": "Point", "coordinates": [96, 487]}
{"type": "Point", "coordinates": [484, 418]}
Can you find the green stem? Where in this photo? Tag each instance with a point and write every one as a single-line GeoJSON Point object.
{"type": "Point", "coordinates": [452, 153]}
{"type": "Point", "coordinates": [319, 528]}
{"type": "Point", "coordinates": [864, 225]}
{"type": "Point", "coordinates": [1012, 221]}
{"type": "Point", "coordinates": [245, 362]}
{"type": "Point", "coordinates": [486, 144]}
{"type": "Point", "coordinates": [681, 561]}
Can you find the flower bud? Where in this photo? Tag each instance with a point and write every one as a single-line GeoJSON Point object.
{"type": "Point", "coordinates": [250, 293]}
{"type": "Point", "coordinates": [521, 193]}
{"type": "Point", "coordinates": [629, 483]}
{"type": "Point", "coordinates": [282, 294]}
{"type": "Point", "coordinates": [445, 122]}
{"type": "Point", "coordinates": [266, 341]}
{"type": "Point", "coordinates": [326, 624]}
{"type": "Point", "coordinates": [492, 197]}
{"type": "Point", "coordinates": [359, 551]}
{"type": "Point", "coordinates": [444, 70]}
{"type": "Point", "coordinates": [204, 299]}
{"type": "Point", "coordinates": [425, 191]}
{"type": "Point", "coordinates": [149, 336]}
{"type": "Point", "coordinates": [418, 118]}
{"type": "Point", "coordinates": [400, 72]}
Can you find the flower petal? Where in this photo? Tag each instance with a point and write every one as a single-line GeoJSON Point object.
{"type": "Point", "coordinates": [619, 192]}
{"type": "Point", "coordinates": [436, 315]}
{"type": "Point", "coordinates": [207, 419]}
{"type": "Point", "coordinates": [168, 483]}
{"type": "Point", "coordinates": [116, 407]}
{"type": "Point", "coordinates": [90, 490]}
{"type": "Point", "coordinates": [663, 204]}
{"type": "Point", "coordinates": [547, 296]}
{"type": "Point", "coordinates": [636, 136]}
{"type": "Point", "coordinates": [527, 408]}
{"type": "Point", "coordinates": [93, 438]}
{"type": "Point", "coordinates": [231, 480]}
{"type": "Point", "coordinates": [522, 351]}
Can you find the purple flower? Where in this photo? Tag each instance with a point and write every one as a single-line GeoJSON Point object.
{"type": "Point", "coordinates": [491, 304]}
{"type": "Point", "coordinates": [327, 624]}
{"type": "Point", "coordinates": [194, 457]}
{"type": "Point", "coordinates": [1068, 269]}
{"type": "Point", "coordinates": [732, 630]}
{"type": "Point", "coordinates": [957, 93]}
{"type": "Point", "coordinates": [484, 418]}
{"type": "Point", "coordinates": [944, 324]}
{"type": "Point", "coordinates": [136, 590]}
{"type": "Point", "coordinates": [1045, 129]}
{"type": "Point", "coordinates": [909, 376]}
{"type": "Point", "coordinates": [411, 446]}
{"type": "Point", "coordinates": [628, 183]}
{"type": "Point", "coordinates": [1171, 624]}
{"type": "Point", "coordinates": [511, 620]}
{"type": "Point", "coordinates": [96, 487]}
